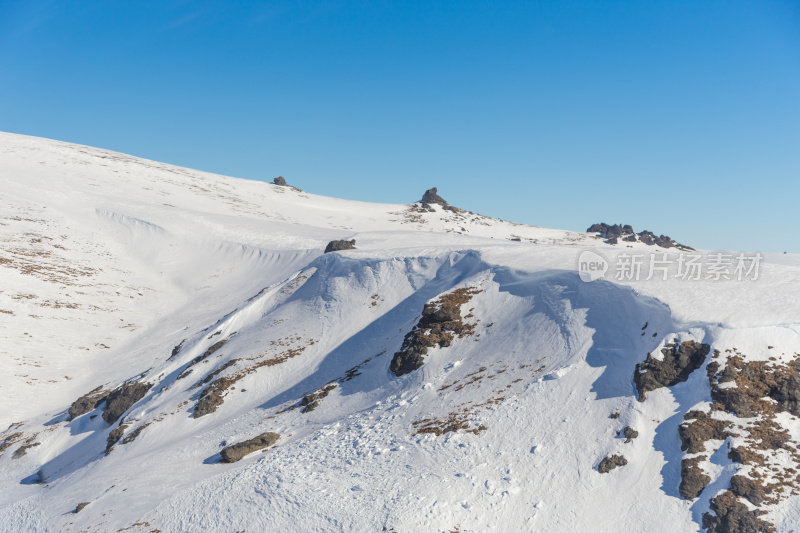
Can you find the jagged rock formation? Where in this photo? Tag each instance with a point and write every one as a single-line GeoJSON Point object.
{"type": "Point", "coordinates": [610, 463]}
{"type": "Point", "coordinates": [732, 516]}
{"type": "Point", "coordinates": [312, 401]}
{"type": "Point", "coordinates": [678, 362]}
{"type": "Point", "coordinates": [440, 322]}
{"type": "Point", "coordinates": [122, 398]}
{"type": "Point", "coordinates": [88, 402]}
{"type": "Point", "coordinates": [281, 182]}
{"type": "Point", "coordinates": [693, 479]}
{"type": "Point", "coordinates": [235, 452]}
{"type": "Point", "coordinates": [431, 196]}
{"type": "Point", "coordinates": [613, 233]}
{"type": "Point", "coordinates": [336, 246]}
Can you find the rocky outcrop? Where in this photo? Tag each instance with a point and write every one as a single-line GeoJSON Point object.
{"type": "Point", "coordinates": [235, 452]}
{"type": "Point", "coordinates": [610, 463]}
{"type": "Point", "coordinates": [693, 479]}
{"type": "Point", "coordinates": [431, 196]}
{"type": "Point", "coordinates": [612, 233]}
{"type": "Point", "coordinates": [732, 516]}
{"type": "Point", "coordinates": [122, 398]}
{"type": "Point", "coordinates": [441, 321]}
{"type": "Point", "coordinates": [114, 436]}
{"type": "Point", "coordinates": [88, 402]}
{"type": "Point", "coordinates": [629, 433]}
{"type": "Point", "coordinates": [758, 383]}
{"type": "Point", "coordinates": [312, 401]}
{"type": "Point", "coordinates": [80, 507]}
{"type": "Point", "coordinates": [697, 428]}
{"type": "Point", "coordinates": [336, 246]}
{"type": "Point", "coordinates": [749, 489]}
{"type": "Point", "coordinates": [678, 362]}
{"type": "Point", "coordinates": [280, 181]}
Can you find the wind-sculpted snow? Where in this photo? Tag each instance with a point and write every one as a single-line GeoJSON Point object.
{"type": "Point", "coordinates": [159, 316]}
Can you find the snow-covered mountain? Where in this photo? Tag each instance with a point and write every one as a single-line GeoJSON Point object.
{"type": "Point", "coordinates": [179, 354]}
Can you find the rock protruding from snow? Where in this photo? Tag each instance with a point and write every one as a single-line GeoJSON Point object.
{"type": "Point", "coordinates": [431, 196]}
{"type": "Point", "coordinates": [610, 463]}
{"type": "Point", "coordinates": [679, 361]}
{"type": "Point", "coordinates": [280, 181]}
{"type": "Point", "coordinates": [336, 246]}
{"type": "Point", "coordinates": [440, 322]}
{"type": "Point", "coordinates": [731, 515]}
{"type": "Point", "coordinates": [629, 433]}
{"type": "Point", "coordinates": [613, 233]}
{"type": "Point", "coordinates": [693, 479]}
{"type": "Point", "coordinates": [88, 402]}
{"type": "Point", "coordinates": [122, 398]}
{"type": "Point", "coordinates": [235, 452]}
{"type": "Point", "coordinates": [311, 401]}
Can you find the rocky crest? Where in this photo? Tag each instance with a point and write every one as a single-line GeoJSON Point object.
{"type": "Point", "coordinates": [616, 232]}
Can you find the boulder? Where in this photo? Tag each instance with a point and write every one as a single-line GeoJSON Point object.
{"type": "Point", "coordinates": [235, 452]}
{"type": "Point", "coordinates": [678, 362]}
{"type": "Point", "coordinates": [87, 403]}
{"type": "Point", "coordinates": [335, 246]}
{"type": "Point", "coordinates": [122, 398]}
{"type": "Point", "coordinates": [610, 463]}
{"type": "Point", "coordinates": [693, 479]}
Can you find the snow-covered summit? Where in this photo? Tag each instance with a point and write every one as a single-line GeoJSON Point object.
{"type": "Point", "coordinates": [159, 321]}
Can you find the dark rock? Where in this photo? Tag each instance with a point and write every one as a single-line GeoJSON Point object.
{"type": "Point", "coordinates": [664, 241]}
{"type": "Point", "coordinates": [755, 381]}
{"type": "Point", "coordinates": [749, 489]}
{"type": "Point", "coordinates": [598, 228]}
{"type": "Point", "coordinates": [122, 398]}
{"type": "Point", "coordinates": [212, 397]}
{"type": "Point", "coordinates": [610, 463]}
{"type": "Point", "coordinates": [732, 516]}
{"type": "Point", "coordinates": [614, 415]}
{"type": "Point", "coordinates": [629, 433]}
{"type": "Point", "coordinates": [679, 361]}
{"type": "Point", "coordinates": [312, 401]}
{"type": "Point", "coordinates": [697, 428]}
{"type": "Point", "coordinates": [87, 403]}
{"type": "Point", "coordinates": [177, 349]}
{"type": "Point", "coordinates": [114, 436]}
{"type": "Point", "coordinates": [335, 246]}
{"type": "Point", "coordinates": [22, 450]}
{"type": "Point", "coordinates": [431, 197]}
{"type": "Point", "coordinates": [80, 507]}
{"type": "Point", "coordinates": [612, 240]}
{"type": "Point", "coordinates": [280, 180]}
{"type": "Point", "coordinates": [693, 479]}
{"type": "Point", "coordinates": [441, 321]}
{"type": "Point", "coordinates": [235, 452]}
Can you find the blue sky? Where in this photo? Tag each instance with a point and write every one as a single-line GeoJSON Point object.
{"type": "Point", "coordinates": [678, 117]}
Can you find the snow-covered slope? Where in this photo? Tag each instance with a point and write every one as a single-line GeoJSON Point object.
{"type": "Point", "coordinates": [206, 307]}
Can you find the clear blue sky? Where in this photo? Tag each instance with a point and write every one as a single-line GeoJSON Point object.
{"type": "Point", "coordinates": [678, 117]}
